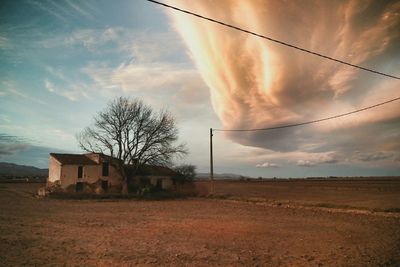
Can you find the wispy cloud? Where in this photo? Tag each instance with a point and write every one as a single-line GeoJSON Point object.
{"type": "Point", "coordinates": [60, 134]}
{"type": "Point", "coordinates": [149, 76]}
{"type": "Point", "coordinates": [5, 118]}
{"type": "Point", "coordinates": [10, 88]}
{"type": "Point", "coordinates": [10, 149]}
{"type": "Point", "coordinates": [11, 144]}
{"type": "Point", "coordinates": [64, 11]}
{"type": "Point", "coordinates": [305, 163]}
{"type": "Point", "coordinates": [5, 43]}
{"type": "Point", "coordinates": [73, 92]}
{"type": "Point", "coordinates": [49, 85]}
{"type": "Point", "coordinates": [374, 156]}
{"type": "Point", "coordinates": [147, 69]}
{"type": "Point", "coordinates": [42, 6]}
{"type": "Point", "coordinates": [315, 159]}
{"type": "Point", "coordinates": [80, 9]}
{"type": "Point", "coordinates": [99, 41]}
{"type": "Point", "coordinates": [268, 165]}
{"type": "Point", "coordinates": [8, 138]}
{"type": "Point", "coordinates": [56, 72]}
{"type": "Point", "coordinates": [155, 83]}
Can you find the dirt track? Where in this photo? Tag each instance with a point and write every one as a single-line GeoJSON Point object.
{"type": "Point", "coordinates": [193, 232]}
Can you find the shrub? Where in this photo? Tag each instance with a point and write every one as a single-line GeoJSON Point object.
{"type": "Point", "coordinates": [186, 172]}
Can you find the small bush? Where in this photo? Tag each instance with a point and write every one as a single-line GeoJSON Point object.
{"type": "Point", "coordinates": [186, 172]}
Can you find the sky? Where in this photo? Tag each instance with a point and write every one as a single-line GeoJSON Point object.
{"type": "Point", "coordinates": [63, 61]}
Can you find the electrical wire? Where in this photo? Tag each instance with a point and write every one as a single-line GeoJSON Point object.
{"type": "Point", "coordinates": [295, 47]}
{"type": "Point", "coordinates": [273, 40]}
{"type": "Point", "coordinates": [308, 122]}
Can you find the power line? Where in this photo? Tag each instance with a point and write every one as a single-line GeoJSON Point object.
{"type": "Point", "coordinates": [308, 122]}
{"type": "Point", "coordinates": [273, 40]}
{"type": "Point", "coordinates": [295, 47]}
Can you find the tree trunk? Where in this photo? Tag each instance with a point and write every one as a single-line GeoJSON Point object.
{"type": "Point", "coordinates": [125, 187]}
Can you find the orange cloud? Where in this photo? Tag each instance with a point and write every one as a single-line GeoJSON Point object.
{"type": "Point", "coordinates": [255, 83]}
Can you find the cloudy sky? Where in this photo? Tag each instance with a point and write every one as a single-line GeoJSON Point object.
{"type": "Point", "coordinates": [62, 61]}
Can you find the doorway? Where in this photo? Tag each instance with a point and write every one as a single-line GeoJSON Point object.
{"type": "Point", "coordinates": [159, 183]}
{"type": "Point", "coordinates": [104, 185]}
{"type": "Point", "coordinates": [79, 187]}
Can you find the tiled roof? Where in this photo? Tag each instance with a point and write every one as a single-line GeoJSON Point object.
{"type": "Point", "coordinates": [152, 170]}
{"type": "Point", "coordinates": [73, 159]}
{"type": "Point", "coordinates": [79, 159]}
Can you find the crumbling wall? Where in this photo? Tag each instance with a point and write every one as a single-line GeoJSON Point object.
{"type": "Point", "coordinates": [166, 181]}
{"type": "Point", "coordinates": [94, 188]}
{"type": "Point", "coordinates": [54, 170]}
{"type": "Point", "coordinates": [91, 174]}
{"type": "Point", "coordinates": [69, 175]}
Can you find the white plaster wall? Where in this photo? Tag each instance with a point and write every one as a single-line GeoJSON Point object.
{"type": "Point", "coordinates": [91, 174]}
{"type": "Point", "coordinates": [54, 170]}
{"type": "Point", "coordinates": [69, 175]}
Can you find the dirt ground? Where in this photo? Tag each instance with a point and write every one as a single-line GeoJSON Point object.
{"type": "Point", "coordinates": [359, 193]}
{"type": "Point", "coordinates": [198, 231]}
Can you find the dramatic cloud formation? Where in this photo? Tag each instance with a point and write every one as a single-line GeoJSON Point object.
{"type": "Point", "coordinates": [61, 62]}
{"type": "Point", "coordinates": [255, 83]}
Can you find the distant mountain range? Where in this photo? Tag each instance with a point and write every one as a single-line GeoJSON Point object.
{"type": "Point", "coordinates": [11, 169]}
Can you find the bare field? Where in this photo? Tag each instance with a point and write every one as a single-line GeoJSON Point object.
{"type": "Point", "coordinates": [201, 231]}
{"type": "Point", "coordinates": [379, 194]}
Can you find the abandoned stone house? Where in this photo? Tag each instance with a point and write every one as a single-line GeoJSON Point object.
{"type": "Point", "coordinates": [96, 172]}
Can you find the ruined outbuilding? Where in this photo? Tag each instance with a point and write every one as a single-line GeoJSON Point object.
{"type": "Point", "coordinates": [158, 176]}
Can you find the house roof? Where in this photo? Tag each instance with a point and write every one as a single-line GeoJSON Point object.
{"type": "Point", "coordinates": [84, 159]}
{"type": "Point", "coordinates": [73, 159]}
{"type": "Point", "coordinates": [152, 170]}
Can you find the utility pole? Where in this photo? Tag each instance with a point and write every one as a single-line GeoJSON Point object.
{"type": "Point", "coordinates": [211, 164]}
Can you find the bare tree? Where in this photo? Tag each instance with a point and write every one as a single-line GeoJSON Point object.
{"type": "Point", "coordinates": [129, 130]}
